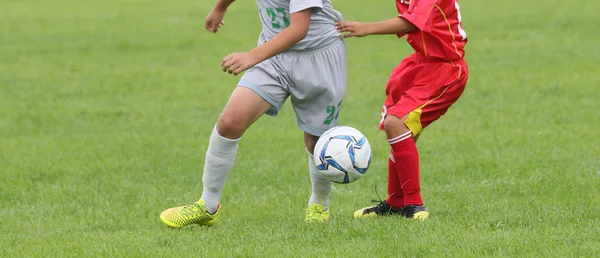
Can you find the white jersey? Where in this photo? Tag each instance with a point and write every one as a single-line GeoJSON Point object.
{"type": "Point", "coordinates": [275, 17]}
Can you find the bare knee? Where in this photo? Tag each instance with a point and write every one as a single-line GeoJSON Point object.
{"type": "Point", "coordinates": [395, 126]}
{"type": "Point", "coordinates": [230, 127]}
{"type": "Point", "coordinates": [242, 110]}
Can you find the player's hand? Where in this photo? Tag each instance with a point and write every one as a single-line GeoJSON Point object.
{"type": "Point", "coordinates": [353, 29]}
{"type": "Point", "coordinates": [236, 63]}
{"type": "Point", "coordinates": [214, 20]}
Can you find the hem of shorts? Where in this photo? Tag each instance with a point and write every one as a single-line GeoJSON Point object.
{"type": "Point", "coordinates": [312, 131]}
{"type": "Point", "coordinates": [274, 110]}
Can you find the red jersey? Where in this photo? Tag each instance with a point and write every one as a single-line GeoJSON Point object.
{"type": "Point", "coordinates": [440, 33]}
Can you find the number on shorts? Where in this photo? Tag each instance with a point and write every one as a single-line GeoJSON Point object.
{"type": "Point", "coordinates": [333, 113]}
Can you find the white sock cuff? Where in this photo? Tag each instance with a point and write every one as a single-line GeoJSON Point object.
{"type": "Point", "coordinates": [215, 132]}
{"type": "Point", "coordinates": [222, 144]}
{"type": "Point", "coordinates": [400, 138]}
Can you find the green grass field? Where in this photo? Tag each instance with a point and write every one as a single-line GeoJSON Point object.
{"type": "Point", "coordinates": [106, 108]}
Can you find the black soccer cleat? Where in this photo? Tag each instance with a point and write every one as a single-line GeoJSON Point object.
{"type": "Point", "coordinates": [381, 209]}
{"type": "Point", "coordinates": [416, 212]}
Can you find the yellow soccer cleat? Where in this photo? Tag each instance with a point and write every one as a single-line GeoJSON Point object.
{"type": "Point", "coordinates": [316, 213]}
{"type": "Point", "coordinates": [193, 213]}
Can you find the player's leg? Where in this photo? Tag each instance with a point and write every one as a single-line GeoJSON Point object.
{"type": "Point", "coordinates": [406, 155]}
{"type": "Point", "coordinates": [318, 203]}
{"type": "Point", "coordinates": [403, 157]}
{"type": "Point", "coordinates": [319, 88]}
{"type": "Point", "coordinates": [403, 171]}
{"type": "Point", "coordinates": [420, 105]}
{"type": "Point", "coordinates": [247, 103]}
{"type": "Point", "coordinates": [321, 187]}
{"type": "Point", "coordinates": [243, 108]}
{"type": "Point", "coordinates": [394, 202]}
{"type": "Point", "coordinates": [395, 196]}
{"type": "Point", "coordinates": [417, 94]}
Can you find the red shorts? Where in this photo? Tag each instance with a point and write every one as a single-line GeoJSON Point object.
{"type": "Point", "coordinates": [423, 89]}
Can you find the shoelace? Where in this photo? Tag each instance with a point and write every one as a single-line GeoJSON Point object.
{"type": "Point", "coordinates": [189, 209]}
{"type": "Point", "coordinates": [381, 204]}
{"type": "Point", "coordinates": [317, 209]}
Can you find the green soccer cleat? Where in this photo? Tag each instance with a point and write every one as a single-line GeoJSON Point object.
{"type": "Point", "coordinates": [193, 213]}
{"type": "Point", "coordinates": [316, 213]}
{"type": "Point", "coordinates": [381, 209]}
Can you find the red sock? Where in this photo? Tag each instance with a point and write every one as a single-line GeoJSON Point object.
{"type": "Point", "coordinates": [395, 197]}
{"type": "Point", "coordinates": [407, 166]}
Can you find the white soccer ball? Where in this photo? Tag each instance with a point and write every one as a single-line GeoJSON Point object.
{"type": "Point", "coordinates": [342, 154]}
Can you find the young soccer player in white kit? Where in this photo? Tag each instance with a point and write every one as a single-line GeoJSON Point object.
{"type": "Point", "coordinates": [300, 55]}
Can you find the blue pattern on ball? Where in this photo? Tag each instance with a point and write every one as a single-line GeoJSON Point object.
{"type": "Point", "coordinates": [353, 144]}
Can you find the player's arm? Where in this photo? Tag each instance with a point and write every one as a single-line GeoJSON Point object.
{"type": "Point", "coordinates": [396, 25]}
{"type": "Point", "coordinates": [299, 24]}
{"type": "Point", "coordinates": [214, 20]}
{"type": "Point", "coordinates": [411, 21]}
{"type": "Point", "coordinates": [223, 4]}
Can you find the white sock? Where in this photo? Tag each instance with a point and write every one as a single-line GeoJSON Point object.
{"type": "Point", "coordinates": [321, 186]}
{"type": "Point", "coordinates": [220, 157]}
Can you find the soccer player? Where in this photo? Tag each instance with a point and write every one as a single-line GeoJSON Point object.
{"type": "Point", "coordinates": [419, 91]}
{"type": "Point", "coordinates": [300, 54]}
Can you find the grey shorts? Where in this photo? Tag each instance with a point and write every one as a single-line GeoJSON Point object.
{"type": "Point", "coordinates": [315, 80]}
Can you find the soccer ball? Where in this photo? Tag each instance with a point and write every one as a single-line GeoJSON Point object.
{"type": "Point", "coordinates": [342, 154]}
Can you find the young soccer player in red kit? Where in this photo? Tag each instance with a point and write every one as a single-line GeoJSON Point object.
{"type": "Point", "coordinates": [419, 91]}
